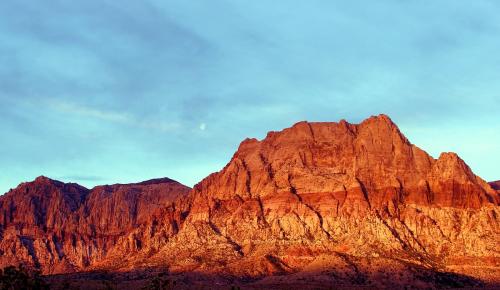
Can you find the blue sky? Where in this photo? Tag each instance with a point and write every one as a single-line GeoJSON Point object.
{"type": "Point", "coordinates": [120, 91]}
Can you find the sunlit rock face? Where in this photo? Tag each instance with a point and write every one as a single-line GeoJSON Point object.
{"type": "Point", "coordinates": [362, 190]}
{"type": "Point", "coordinates": [62, 227]}
{"type": "Point", "coordinates": [334, 201]}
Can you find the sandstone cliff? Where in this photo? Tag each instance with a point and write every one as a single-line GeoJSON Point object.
{"type": "Point", "coordinates": [332, 201]}
{"type": "Point", "coordinates": [65, 227]}
{"type": "Point", "coordinates": [338, 189]}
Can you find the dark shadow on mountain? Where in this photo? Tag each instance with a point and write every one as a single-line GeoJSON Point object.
{"type": "Point", "coordinates": [156, 278]}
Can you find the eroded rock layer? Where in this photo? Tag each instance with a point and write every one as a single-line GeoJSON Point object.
{"type": "Point", "coordinates": [309, 199]}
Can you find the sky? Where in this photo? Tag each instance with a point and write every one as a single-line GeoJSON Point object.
{"type": "Point", "coordinates": [99, 92]}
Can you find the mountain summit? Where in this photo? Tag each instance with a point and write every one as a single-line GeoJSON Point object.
{"type": "Point", "coordinates": [319, 201]}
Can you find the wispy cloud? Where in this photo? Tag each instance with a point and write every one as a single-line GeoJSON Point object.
{"type": "Point", "coordinates": [123, 89]}
{"type": "Point", "coordinates": [124, 118]}
{"type": "Point", "coordinates": [66, 107]}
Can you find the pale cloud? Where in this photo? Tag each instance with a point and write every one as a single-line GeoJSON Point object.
{"type": "Point", "coordinates": [110, 115]}
{"type": "Point", "coordinates": [72, 108]}
{"type": "Point", "coordinates": [132, 84]}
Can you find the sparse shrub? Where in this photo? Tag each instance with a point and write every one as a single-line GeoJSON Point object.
{"type": "Point", "coordinates": [160, 283]}
{"type": "Point", "coordinates": [108, 285]}
{"type": "Point", "coordinates": [67, 285]}
{"type": "Point", "coordinates": [12, 278]}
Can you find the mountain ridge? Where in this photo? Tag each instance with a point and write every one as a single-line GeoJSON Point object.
{"type": "Point", "coordinates": [354, 194]}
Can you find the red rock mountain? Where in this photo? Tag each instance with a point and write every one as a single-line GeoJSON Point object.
{"type": "Point", "coordinates": [323, 202]}
{"type": "Point", "coordinates": [66, 227]}
{"type": "Point", "coordinates": [495, 185]}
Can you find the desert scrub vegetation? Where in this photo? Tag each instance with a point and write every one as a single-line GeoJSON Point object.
{"type": "Point", "coordinates": [14, 278]}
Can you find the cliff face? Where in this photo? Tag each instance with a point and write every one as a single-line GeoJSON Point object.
{"type": "Point", "coordinates": [65, 227]}
{"type": "Point", "coordinates": [326, 188]}
{"type": "Point", "coordinates": [336, 199]}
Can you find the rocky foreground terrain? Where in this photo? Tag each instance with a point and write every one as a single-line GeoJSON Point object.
{"type": "Point", "coordinates": [317, 205]}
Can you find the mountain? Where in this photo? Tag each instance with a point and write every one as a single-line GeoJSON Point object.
{"type": "Point", "coordinates": [317, 204]}
{"type": "Point", "coordinates": [340, 192]}
{"type": "Point", "coordinates": [63, 228]}
{"type": "Point", "coordinates": [495, 185]}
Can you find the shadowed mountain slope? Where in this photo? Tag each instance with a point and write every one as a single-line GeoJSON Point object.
{"type": "Point", "coordinates": [495, 184]}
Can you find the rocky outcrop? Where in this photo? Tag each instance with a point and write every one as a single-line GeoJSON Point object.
{"type": "Point", "coordinates": [338, 198]}
{"type": "Point", "coordinates": [62, 227]}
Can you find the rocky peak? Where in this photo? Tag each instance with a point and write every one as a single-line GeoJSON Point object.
{"type": "Point", "coordinates": [450, 166]}
{"type": "Point", "coordinates": [373, 157]}
{"type": "Point", "coordinates": [157, 181]}
{"type": "Point", "coordinates": [37, 186]}
{"type": "Point", "coordinates": [453, 184]}
{"type": "Point", "coordinates": [382, 126]}
{"type": "Point", "coordinates": [43, 179]}
{"type": "Point", "coordinates": [44, 185]}
{"type": "Point", "coordinates": [378, 120]}
{"type": "Point", "coordinates": [43, 202]}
